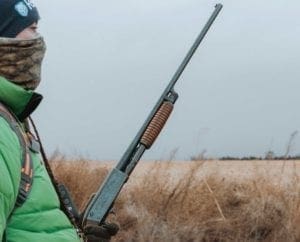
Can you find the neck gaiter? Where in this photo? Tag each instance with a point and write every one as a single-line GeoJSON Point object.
{"type": "Point", "coordinates": [21, 60]}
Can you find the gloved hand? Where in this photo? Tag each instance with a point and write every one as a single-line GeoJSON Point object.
{"type": "Point", "coordinates": [100, 233]}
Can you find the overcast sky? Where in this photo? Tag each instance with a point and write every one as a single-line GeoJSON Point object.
{"type": "Point", "coordinates": [109, 61]}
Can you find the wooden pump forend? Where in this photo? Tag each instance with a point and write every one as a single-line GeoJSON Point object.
{"type": "Point", "coordinates": [157, 124]}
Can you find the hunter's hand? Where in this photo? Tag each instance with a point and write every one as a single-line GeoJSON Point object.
{"type": "Point", "coordinates": [100, 233]}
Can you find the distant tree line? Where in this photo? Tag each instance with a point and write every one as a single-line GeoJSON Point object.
{"type": "Point", "coordinates": [290, 157]}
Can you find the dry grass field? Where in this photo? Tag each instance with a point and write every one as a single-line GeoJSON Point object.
{"type": "Point", "coordinates": [197, 201]}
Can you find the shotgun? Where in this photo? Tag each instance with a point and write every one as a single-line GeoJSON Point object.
{"type": "Point", "coordinates": [101, 203]}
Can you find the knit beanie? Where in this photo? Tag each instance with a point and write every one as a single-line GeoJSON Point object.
{"type": "Point", "coordinates": [15, 16]}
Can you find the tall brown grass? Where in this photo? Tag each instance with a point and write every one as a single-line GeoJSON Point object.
{"type": "Point", "coordinates": [187, 207]}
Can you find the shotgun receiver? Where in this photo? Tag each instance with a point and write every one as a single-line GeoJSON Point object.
{"type": "Point", "coordinates": [101, 203]}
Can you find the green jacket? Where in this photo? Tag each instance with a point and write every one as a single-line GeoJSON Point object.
{"type": "Point", "coordinates": [39, 219]}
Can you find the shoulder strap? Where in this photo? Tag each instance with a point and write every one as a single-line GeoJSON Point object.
{"type": "Point", "coordinates": [66, 203]}
{"type": "Point", "coordinates": [27, 165]}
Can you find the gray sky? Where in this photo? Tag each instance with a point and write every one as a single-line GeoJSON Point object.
{"type": "Point", "coordinates": [108, 62]}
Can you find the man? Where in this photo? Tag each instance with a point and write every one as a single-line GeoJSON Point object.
{"type": "Point", "coordinates": [30, 210]}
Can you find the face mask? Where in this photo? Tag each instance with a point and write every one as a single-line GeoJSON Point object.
{"type": "Point", "coordinates": [21, 60]}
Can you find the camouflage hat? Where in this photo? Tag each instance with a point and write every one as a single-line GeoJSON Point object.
{"type": "Point", "coordinates": [15, 16]}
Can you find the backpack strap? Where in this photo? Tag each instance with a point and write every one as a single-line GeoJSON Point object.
{"type": "Point", "coordinates": [27, 164]}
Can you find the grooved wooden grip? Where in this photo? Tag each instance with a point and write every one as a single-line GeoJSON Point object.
{"type": "Point", "coordinates": [157, 124]}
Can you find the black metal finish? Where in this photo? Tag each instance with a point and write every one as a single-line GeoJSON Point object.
{"type": "Point", "coordinates": [99, 206]}
{"type": "Point", "coordinates": [127, 155]}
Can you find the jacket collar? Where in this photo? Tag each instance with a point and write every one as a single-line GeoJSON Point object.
{"type": "Point", "coordinates": [20, 101]}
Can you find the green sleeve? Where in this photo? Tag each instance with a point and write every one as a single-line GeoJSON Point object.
{"type": "Point", "coordinates": [10, 172]}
